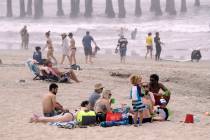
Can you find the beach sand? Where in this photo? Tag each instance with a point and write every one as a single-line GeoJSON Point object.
{"type": "Point", "coordinates": [188, 82]}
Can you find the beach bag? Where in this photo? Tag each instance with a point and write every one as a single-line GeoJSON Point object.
{"type": "Point", "coordinates": [110, 116]}
{"type": "Point", "coordinates": [81, 114]}
{"type": "Point", "coordinates": [75, 67]}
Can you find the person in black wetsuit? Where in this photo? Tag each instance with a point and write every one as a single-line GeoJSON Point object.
{"type": "Point", "coordinates": [157, 46]}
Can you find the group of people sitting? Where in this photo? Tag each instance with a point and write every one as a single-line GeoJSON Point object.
{"type": "Point", "coordinates": [149, 101]}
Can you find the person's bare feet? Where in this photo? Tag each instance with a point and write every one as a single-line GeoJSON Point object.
{"type": "Point", "coordinates": [35, 118]}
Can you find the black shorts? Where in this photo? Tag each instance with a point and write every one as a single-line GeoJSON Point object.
{"type": "Point", "coordinates": [88, 51]}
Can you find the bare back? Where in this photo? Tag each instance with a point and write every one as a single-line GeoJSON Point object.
{"type": "Point", "coordinates": [48, 102]}
{"type": "Point", "coordinates": [49, 44]}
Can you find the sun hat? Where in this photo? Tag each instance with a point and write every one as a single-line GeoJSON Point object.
{"type": "Point", "coordinates": [98, 86]}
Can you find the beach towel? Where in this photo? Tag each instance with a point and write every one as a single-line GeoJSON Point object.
{"type": "Point", "coordinates": [67, 125]}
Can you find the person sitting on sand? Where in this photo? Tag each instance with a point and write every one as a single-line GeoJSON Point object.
{"type": "Point", "coordinates": [155, 86]}
{"type": "Point", "coordinates": [54, 71]}
{"type": "Point", "coordinates": [95, 95]}
{"type": "Point", "coordinates": [64, 117]}
{"type": "Point", "coordinates": [37, 55]}
{"type": "Point", "coordinates": [103, 104]}
{"type": "Point", "coordinates": [149, 101]}
{"type": "Point", "coordinates": [50, 106]}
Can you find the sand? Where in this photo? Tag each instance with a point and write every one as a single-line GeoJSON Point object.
{"type": "Point", "coordinates": [188, 82]}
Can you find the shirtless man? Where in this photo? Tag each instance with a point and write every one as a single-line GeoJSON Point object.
{"type": "Point", "coordinates": [155, 87]}
{"type": "Point", "coordinates": [50, 48]}
{"type": "Point", "coordinates": [49, 103]}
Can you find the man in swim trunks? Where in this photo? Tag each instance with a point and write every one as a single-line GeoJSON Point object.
{"type": "Point", "coordinates": [50, 106]}
{"type": "Point", "coordinates": [155, 87]}
{"type": "Point", "coordinates": [86, 41]}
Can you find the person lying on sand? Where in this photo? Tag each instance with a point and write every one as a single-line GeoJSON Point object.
{"type": "Point", "coordinates": [54, 71]}
{"type": "Point", "coordinates": [64, 117]}
{"type": "Point", "coordinates": [49, 104]}
{"type": "Point", "coordinates": [155, 87]}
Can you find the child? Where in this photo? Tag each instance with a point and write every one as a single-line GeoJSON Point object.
{"type": "Point", "coordinates": [136, 96]}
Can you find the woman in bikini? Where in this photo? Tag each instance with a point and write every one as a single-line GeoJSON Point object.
{"type": "Point", "coordinates": [50, 47]}
{"type": "Point", "coordinates": [72, 49]}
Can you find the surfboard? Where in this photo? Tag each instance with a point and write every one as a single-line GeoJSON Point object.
{"type": "Point", "coordinates": [176, 60]}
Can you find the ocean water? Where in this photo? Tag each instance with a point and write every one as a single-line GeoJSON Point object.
{"type": "Point", "coordinates": [181, 33]}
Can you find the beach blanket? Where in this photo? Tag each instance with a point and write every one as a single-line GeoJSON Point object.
{"type": "Point", "coordinates": [67, 125]}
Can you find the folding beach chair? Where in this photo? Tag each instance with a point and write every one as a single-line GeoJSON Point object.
{"type": "Point", "coordinates": [34, 69]}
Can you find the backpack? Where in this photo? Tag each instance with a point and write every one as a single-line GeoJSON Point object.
{"type": "Point", "coordinates": [75, 67]}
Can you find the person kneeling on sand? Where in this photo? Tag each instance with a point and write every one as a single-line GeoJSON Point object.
{"type": "Point", "coordinates": [155, 86]}
{"type": "Point", "coordinates": [95, 95]}
{"type": "Point", "coordinates": [54, 71]}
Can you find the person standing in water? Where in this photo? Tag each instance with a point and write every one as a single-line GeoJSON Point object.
{"type": "Point", "coordinates": [50, 48]}
{"type": "Point", "coordinates": [133, 34]}
{"type": "Point", "coordinates": [65, 48]}
{"type": "Point", "coordinates": [72, 49]}
{"type": "Point", "coordinates": [24, 37]}
{"type": "Point", "coordinates": [157, 46]}
{"type": "Point", "coordinates": [149, 43]}
{"type": "Point", "coordinates": [122, 44]}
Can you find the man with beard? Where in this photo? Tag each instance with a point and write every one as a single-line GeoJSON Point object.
{"type": "Point", "coordinates": [50, 106]}
{"type": "Point", "coordinates": [159, 90]}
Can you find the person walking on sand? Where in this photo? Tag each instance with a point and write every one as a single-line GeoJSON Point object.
{"type": "Point", "coordinates": [72, 49]}
{"type": "Point", "coordinates": [24, 37]}
{"type": "Point", "coordinates": [122, 45]}
{"type": "Point", "coordinates": [50, 48]}
{"type": "Point", "coordinates": [65, 48]}
{"type": "Point", "coordinates": [157, 46]}
{"type": "Point", "coordinates": [86, 41]}
{"type": "Point", "coordinates": [149, 44]}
